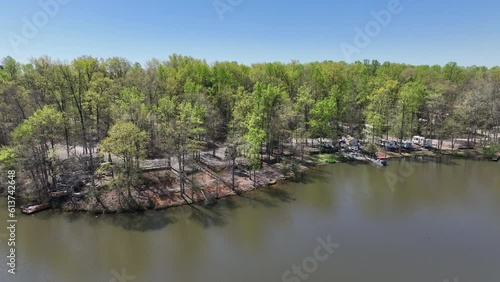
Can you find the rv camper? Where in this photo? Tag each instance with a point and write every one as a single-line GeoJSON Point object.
{"type": "Point", "coordinates": [421, 141]}
{"type": "Point", "coordinates": [418, 140]}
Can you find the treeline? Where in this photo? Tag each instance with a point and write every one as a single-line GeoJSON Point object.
{"type": "Point", "coordinates": [180, 107]}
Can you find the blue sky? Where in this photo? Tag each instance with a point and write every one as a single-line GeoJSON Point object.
{"type": "Point", "coordinates": [424, 32]}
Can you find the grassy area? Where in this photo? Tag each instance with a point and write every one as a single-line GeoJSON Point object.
{"type": "Point", "coordinates": [327, 158]}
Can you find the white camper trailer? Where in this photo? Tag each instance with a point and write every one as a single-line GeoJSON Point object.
{"type": "Point", "coordinates": [421, 141]}
{"type": "Point", "coordinates": [418, 140]}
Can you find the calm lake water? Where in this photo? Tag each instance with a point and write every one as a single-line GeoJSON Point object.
{"type": "Point", "coordinates": [438, 221]}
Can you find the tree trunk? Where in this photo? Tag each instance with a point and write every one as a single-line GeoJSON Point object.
{"type": "Point", "coordinates": [402, 130]}
{"type": "Point", "coordinates": [66, 139]}
{"type": "Point", "coordinates": [233, 171]}
{"type": "Point", "coordinates": [128, 183]}
{"type": "Point", "coordinates": [181, 179]}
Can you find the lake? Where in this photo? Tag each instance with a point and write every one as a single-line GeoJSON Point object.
{"type": "Point", "coordinates": [413, 221]}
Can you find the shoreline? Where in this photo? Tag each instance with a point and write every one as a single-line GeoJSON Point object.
{"type": "Point", "coordinates": [210, 186]}
{"type": "Point", "coordinates": [153, 197]}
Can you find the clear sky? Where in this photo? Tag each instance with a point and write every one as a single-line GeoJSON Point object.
{"type": "Point", "coordinates": [422, 32]}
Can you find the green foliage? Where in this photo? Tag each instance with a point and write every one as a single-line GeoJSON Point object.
{"type": "Point", "coordinates": [42, 126]}
{"type": "Point", "coordinates": [175, 108]}
{"type": "Point", "coordinates": [382, 104]}
{"type": "Point", "coordinates": [183, 125]}
{"type": "Point", "coordinates": [327, 158]}
{"type": "Point", "coordinates": [11, 67]}
{"type": "Point", "coordinates": [33, 141]}
{"type": "Point", "coordinates": [372, 149]}
{"type": "Point", "coordinates": [126, 141]}
{"type": "Point", "coordinates": [7, 158]}
{"type": "Point", "coordinates": [268, 104]}
{"type": "Point", "coordinates": [131, 106]}
{"type": "Point", "coordinates": [491, 150]}
{"type": "Point", "coordinates": [323, 118]}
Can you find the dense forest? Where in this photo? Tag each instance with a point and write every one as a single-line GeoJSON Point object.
{"type": "Point", "coordinates": [178, 108]}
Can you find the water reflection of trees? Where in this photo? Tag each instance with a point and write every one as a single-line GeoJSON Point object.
{"type": "Point", "coordinates": [79, 248]}
{"type": "Point", "coordinates": [72, 246]}
{"type": "Point", "coordinates": [434, 184]}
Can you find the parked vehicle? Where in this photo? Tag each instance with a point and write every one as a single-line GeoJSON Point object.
{"type": "Point", "coordinates": [353, 142]}
{"type": "Point", "coordinates": [428, 143]}
{"type": "Point", "coordinates": [418, 140]}
{"type": "Point", "coordinates": [342, 143]}
{"type": "Point", "coordinates": [407, 145]}
{"type": "Point", "coordinates": [327, 144]}
{"type": "Point", "coordinates": [389, 144]}
{"type": "Point", "coordinates": [392, 144]}
{"type": "Point", "coordinates": [382, 142]}
{"type": "Point", "coordinates": [422, 141]}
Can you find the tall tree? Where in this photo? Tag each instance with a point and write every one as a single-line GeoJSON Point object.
{"type": "Point", "coordinates": [34, 145]}
{"type": "Point", "coordinates": [127, 142]}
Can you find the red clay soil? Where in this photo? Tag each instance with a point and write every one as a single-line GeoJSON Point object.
{"type": "Point", "coordinates": [162, 190]}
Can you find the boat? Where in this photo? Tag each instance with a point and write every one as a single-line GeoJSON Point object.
{"type": "Point", "coordinates": [379, 162]}
{"type": "Point", "coordinates": [382, 160]}
{"type": "Point", "coordinates": [31, 209]}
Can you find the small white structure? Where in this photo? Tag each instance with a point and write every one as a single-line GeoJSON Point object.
{"type": "Point", "coordinates": [421, 141]}
{"type": "Point", "coordinates": [418, 140]}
